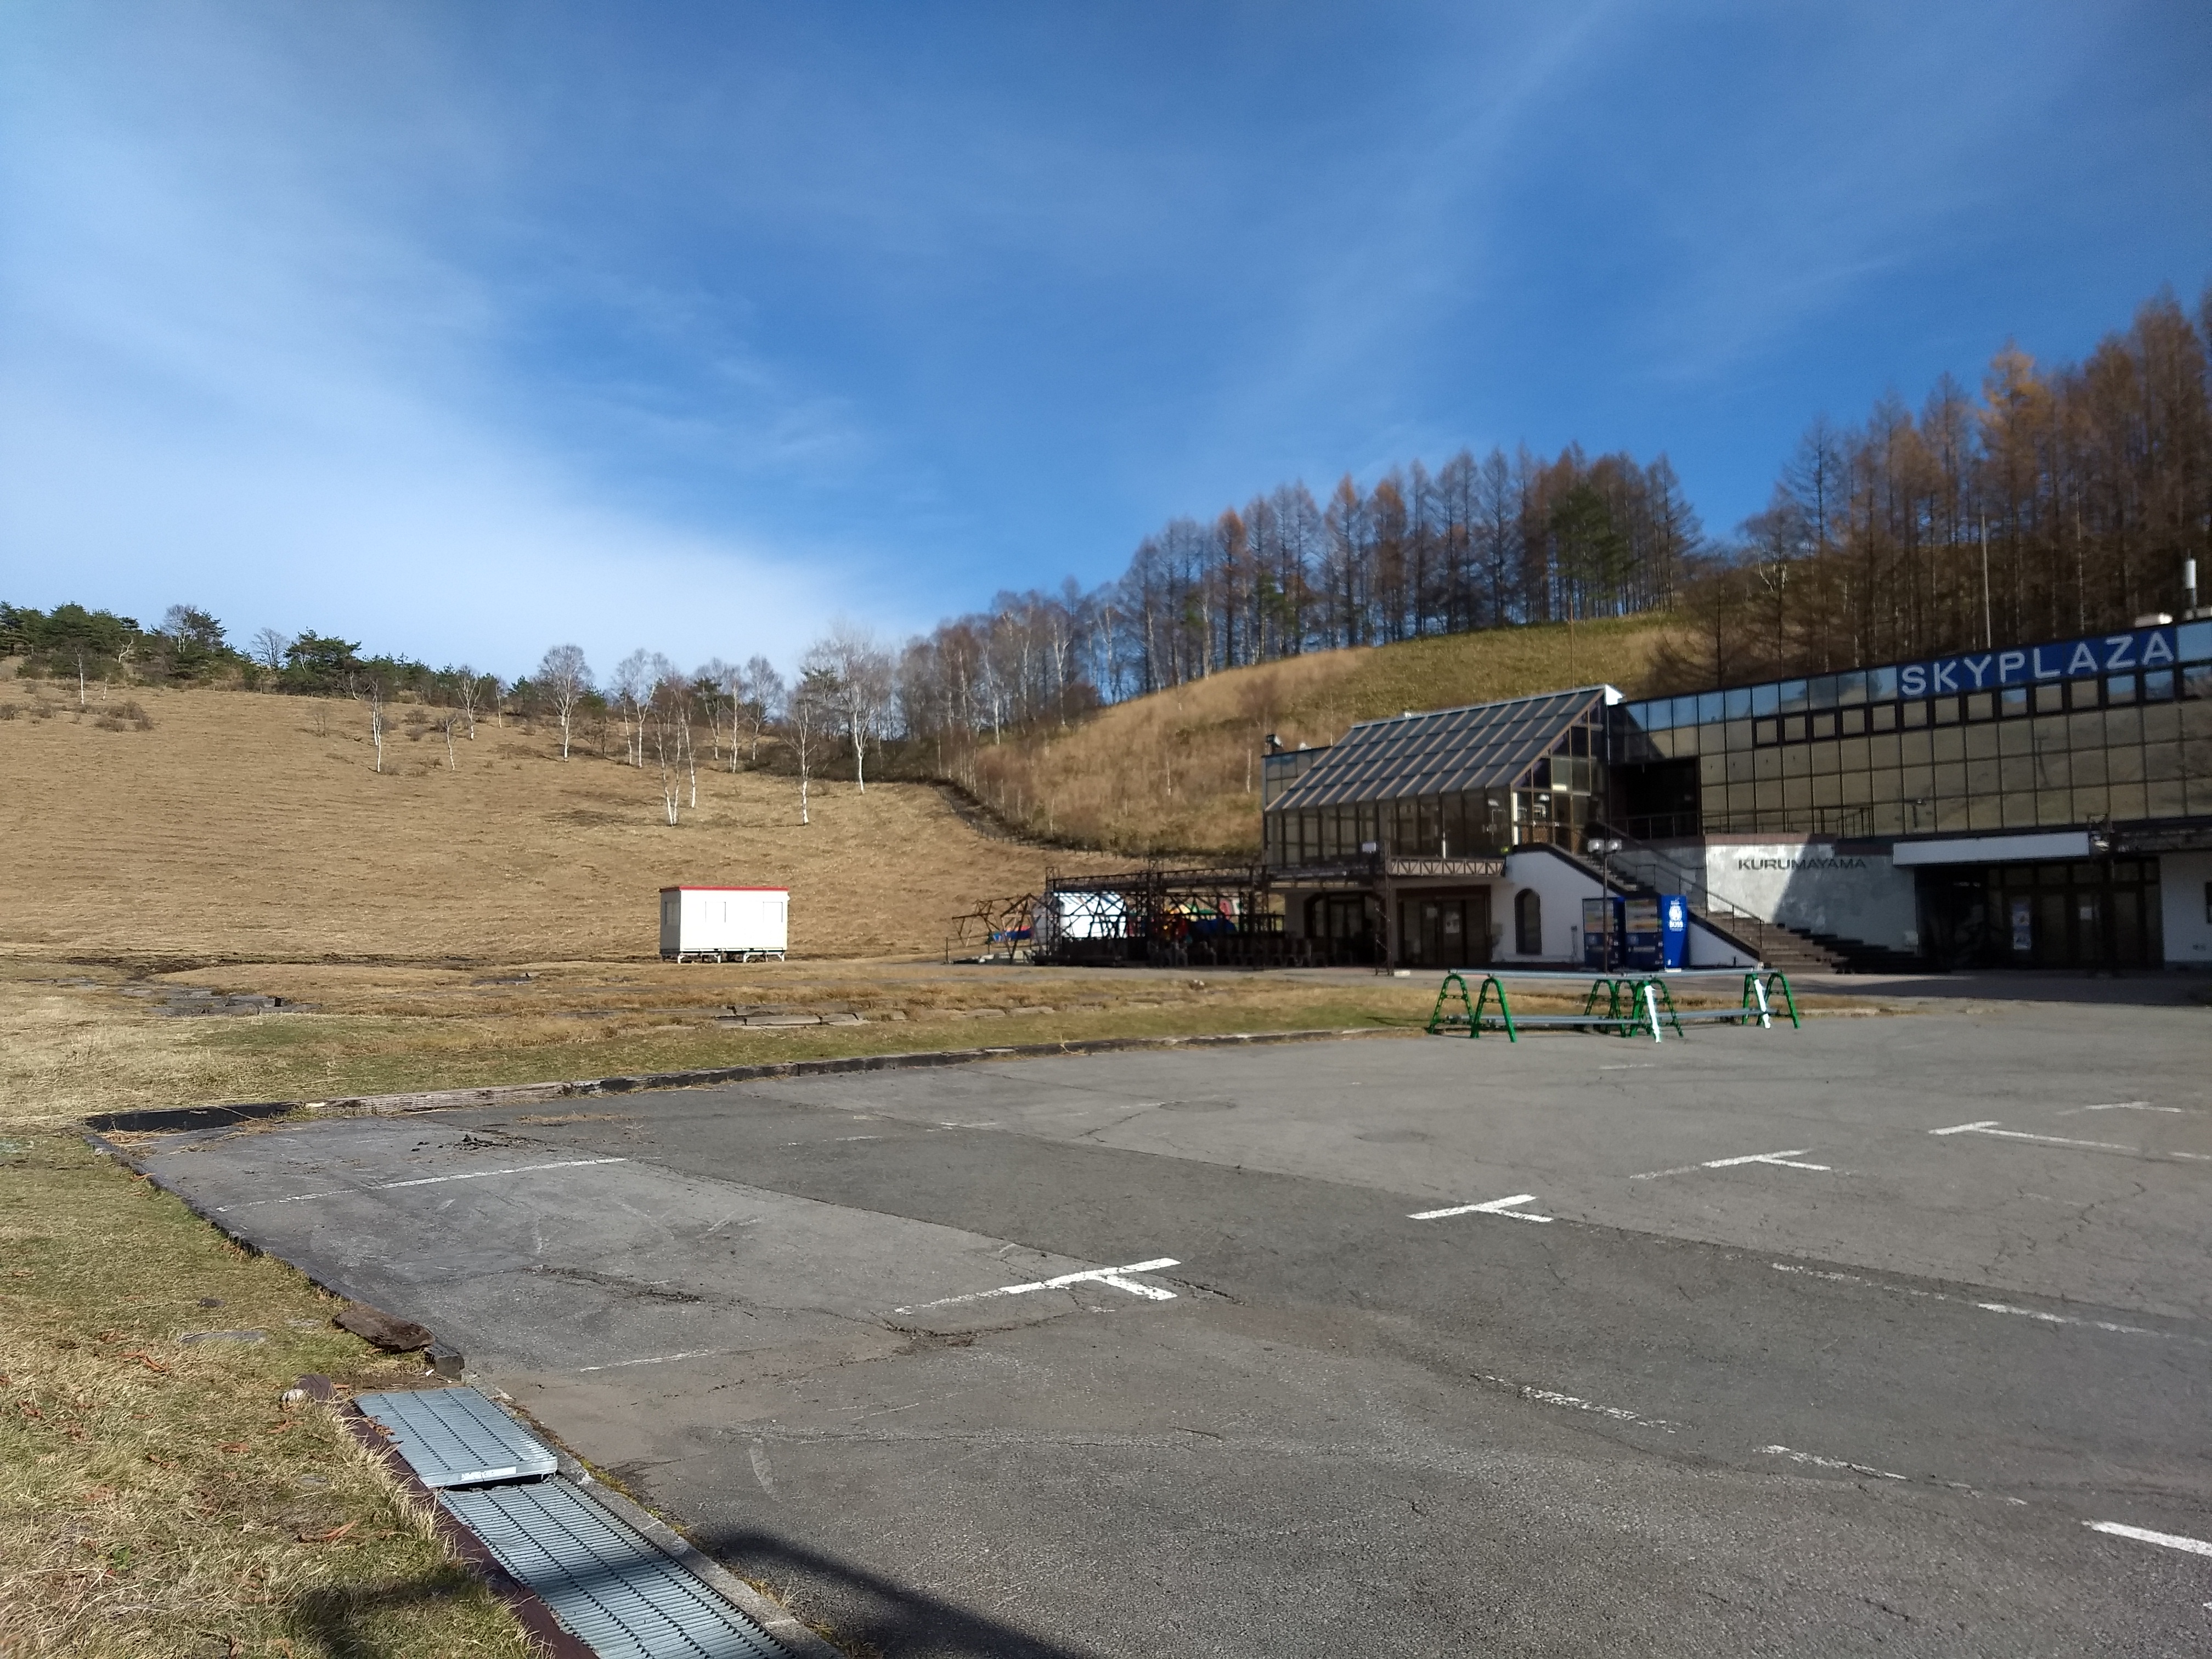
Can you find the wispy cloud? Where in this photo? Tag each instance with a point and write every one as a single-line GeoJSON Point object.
{"type": "Point", "coordinates": [228, 381]}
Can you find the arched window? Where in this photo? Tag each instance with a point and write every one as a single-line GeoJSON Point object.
{"type": "Point", "coordinates": [1529, 923]}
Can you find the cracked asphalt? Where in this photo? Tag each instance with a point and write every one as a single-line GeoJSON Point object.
{"type": "Point", "coordinates": [1822, 1341]}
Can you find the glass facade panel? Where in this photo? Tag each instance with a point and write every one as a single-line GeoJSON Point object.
{"type": "Point", "coordinates": [1839, 754]}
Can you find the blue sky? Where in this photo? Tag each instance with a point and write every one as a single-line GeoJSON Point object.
{"type": "Point", "coordinates": [464, 329]}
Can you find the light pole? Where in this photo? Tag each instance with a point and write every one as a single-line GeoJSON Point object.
{"type": "Point", "coordinates": [1605, 847]}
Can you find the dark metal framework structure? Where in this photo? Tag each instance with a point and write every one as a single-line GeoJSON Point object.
{"type": "Point", "coordinates": [1213, 917]}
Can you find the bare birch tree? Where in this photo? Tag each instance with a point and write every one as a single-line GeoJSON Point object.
{"type": "Point", "coordinates": [856, 679]}
{"type": "Point", "coordinates": [564, 679]}
{"type": "Point", "coordinates": [713, 683]}
{"type": "Point", "coordinates": [811, 715]}
{"type": "Point", "coordinates": [268, 648]}
{"type": "Point", "coordinates": [469, 695]}
{"type": "Point", "coordinates": [633, 685]}
{"type": "Point", "coordinates": [368, 692]}
{"type": "Point", "coordinates": [758, 700]}
{"type": "Point", "coordinates": [667, 716]}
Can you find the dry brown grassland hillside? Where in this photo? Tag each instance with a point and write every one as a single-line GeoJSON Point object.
{"type": "Point", "coordinates": [247, 826]}
{"type": "Point", "coordinates": [1179, 770]}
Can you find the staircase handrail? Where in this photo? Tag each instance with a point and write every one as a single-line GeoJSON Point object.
{"type": "Point", "coordinates": [1710, 900]}
{"type": "Point", "coordinates": [1737, 919]}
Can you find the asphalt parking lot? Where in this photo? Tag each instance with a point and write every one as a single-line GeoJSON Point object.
{"type": "Point", "coordinates": [1892, 1333]}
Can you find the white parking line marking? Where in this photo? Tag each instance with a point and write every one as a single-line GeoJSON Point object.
{"type": "Point", "coordinates": [424, 1181]}
{"type": "Point", "coordinates": [2128, 1106]}
{"type": "Point", "coordinates": [1495, 1206]}
{"type": "Point", "coordinates": [1571, 1402]}
{"type": "Point", "coordinates": [2172, 1541]}
{"type": "Point", "coordinates": [1781, 1160]}
{"type": "Point", "coordinates": [657, 1359]}
{"type": "Point", "coordinates": [1828, 1462]}
{"type": "Point", "coordinates": [1986, 1306]}
{"type": "Point", "coordinates": [1089, 1276]}
{"type": "Point", "coordinates": [1988, 1127]}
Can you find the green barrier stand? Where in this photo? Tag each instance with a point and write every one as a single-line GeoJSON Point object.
{"type": "Point", "coordinates": [1654, 992]}
{"type": "Point", "coordinates": [1754, 1003]}
{"type": "Point", "coordinates": [1611, 990]}
{"type": "Point", "coordinates": [1777, 977]}
{"type": "Point", "coordinates": [1759, 987]}
{"type": "Point", "coordinates": [1490, 983]}
{"type": "Point", "coordinates": [1440, 1021]}
{"type": "Point", "coordinates": [1621, 1011]}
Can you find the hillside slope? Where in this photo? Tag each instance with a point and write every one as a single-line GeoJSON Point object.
{"type": "Point", "coordinates": [251, 828]}
{"type": "Point", "coordinates": [1179, 770]}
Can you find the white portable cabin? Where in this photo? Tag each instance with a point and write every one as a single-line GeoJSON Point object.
{"type": "Point", "coordinates": [724, 924]}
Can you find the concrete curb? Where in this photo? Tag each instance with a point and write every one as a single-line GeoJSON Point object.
{"type": "Point", "coordinates": [175, 1118]}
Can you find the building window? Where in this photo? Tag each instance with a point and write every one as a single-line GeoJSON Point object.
{"type": "Point", "coordinates": [1528, 922]}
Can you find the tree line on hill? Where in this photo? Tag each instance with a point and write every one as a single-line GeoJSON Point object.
{"type": "Point", "coordinates": [2061, 500]}
{"type": "Point", "coordinates": [2088, 485]}
{"type": "Point", "coordinates": [647, 712]}
{"type": "Point", "coordinates": [1491, 542]}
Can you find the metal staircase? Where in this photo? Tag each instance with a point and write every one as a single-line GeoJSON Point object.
{"type": "Point", "coordinates": [1630, 872]}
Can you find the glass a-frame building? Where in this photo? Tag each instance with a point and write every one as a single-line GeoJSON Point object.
{"type": "Point", "coordinates": [2046, 805]}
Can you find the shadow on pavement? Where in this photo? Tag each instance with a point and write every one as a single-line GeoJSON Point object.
{"type": "Point", "coordinates": [868, 1613]}
{"type": "Point", "coordinates": [2145, 987]}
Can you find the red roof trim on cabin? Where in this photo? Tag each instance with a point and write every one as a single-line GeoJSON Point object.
{"type": "Point", "coordinates": [726, 889]}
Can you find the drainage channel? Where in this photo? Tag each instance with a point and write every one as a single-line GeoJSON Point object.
{"type": "Point", "coordinates": [607, 1584]}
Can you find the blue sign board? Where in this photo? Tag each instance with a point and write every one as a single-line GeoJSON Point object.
{"type": "Point", "coordinates": [2108, 654]}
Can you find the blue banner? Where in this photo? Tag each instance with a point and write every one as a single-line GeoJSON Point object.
{"type": "Point", "coordinates": [2108, 653]}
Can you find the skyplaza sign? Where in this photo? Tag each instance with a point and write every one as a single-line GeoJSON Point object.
{"type": "Point", "coordinates": [2111, 654]}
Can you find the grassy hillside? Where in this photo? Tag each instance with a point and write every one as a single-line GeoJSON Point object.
{"type": "Point", "coordinates": [1180, 769]}
{"type": "Point", "coordinates": [251, 828]}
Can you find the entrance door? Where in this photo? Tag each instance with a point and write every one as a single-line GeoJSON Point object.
{"type": "Point", "coordinates": [1449, 930]}
{"type": "Point", "coordinates": [2086, 913]}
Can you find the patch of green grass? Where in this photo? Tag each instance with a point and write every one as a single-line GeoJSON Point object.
{"type": "Point", "coordinates": [156, 1497]}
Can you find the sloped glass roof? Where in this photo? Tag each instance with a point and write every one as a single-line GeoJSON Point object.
{"type": "Point", "coordinates": [1488, 746]}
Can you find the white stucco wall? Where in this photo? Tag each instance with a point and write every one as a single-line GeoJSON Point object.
{"type": "Point", "coordinates": [1810, 886]}
{"type": "Point", "coordinates": [1563, 888]}
{"type": "Point", "coordinates": [1805, 884]}
{"type": "Point", "coordinates": [2182, 900]}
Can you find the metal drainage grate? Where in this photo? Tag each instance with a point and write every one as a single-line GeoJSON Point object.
{"type": "Point", "coordinates": [607, 1584]}
{"type": "Point", "coordinates": [456, 1437]}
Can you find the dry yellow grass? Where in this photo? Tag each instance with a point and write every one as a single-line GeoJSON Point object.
{"type": "Point", "coordinates": [71, 1049]}
{"type": "Point", "coordinates": [156, 1497]}
{"type": "Point", "coordinates": [1180, 770]}
{"type": "Point", "coordinates": [236, 829]}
